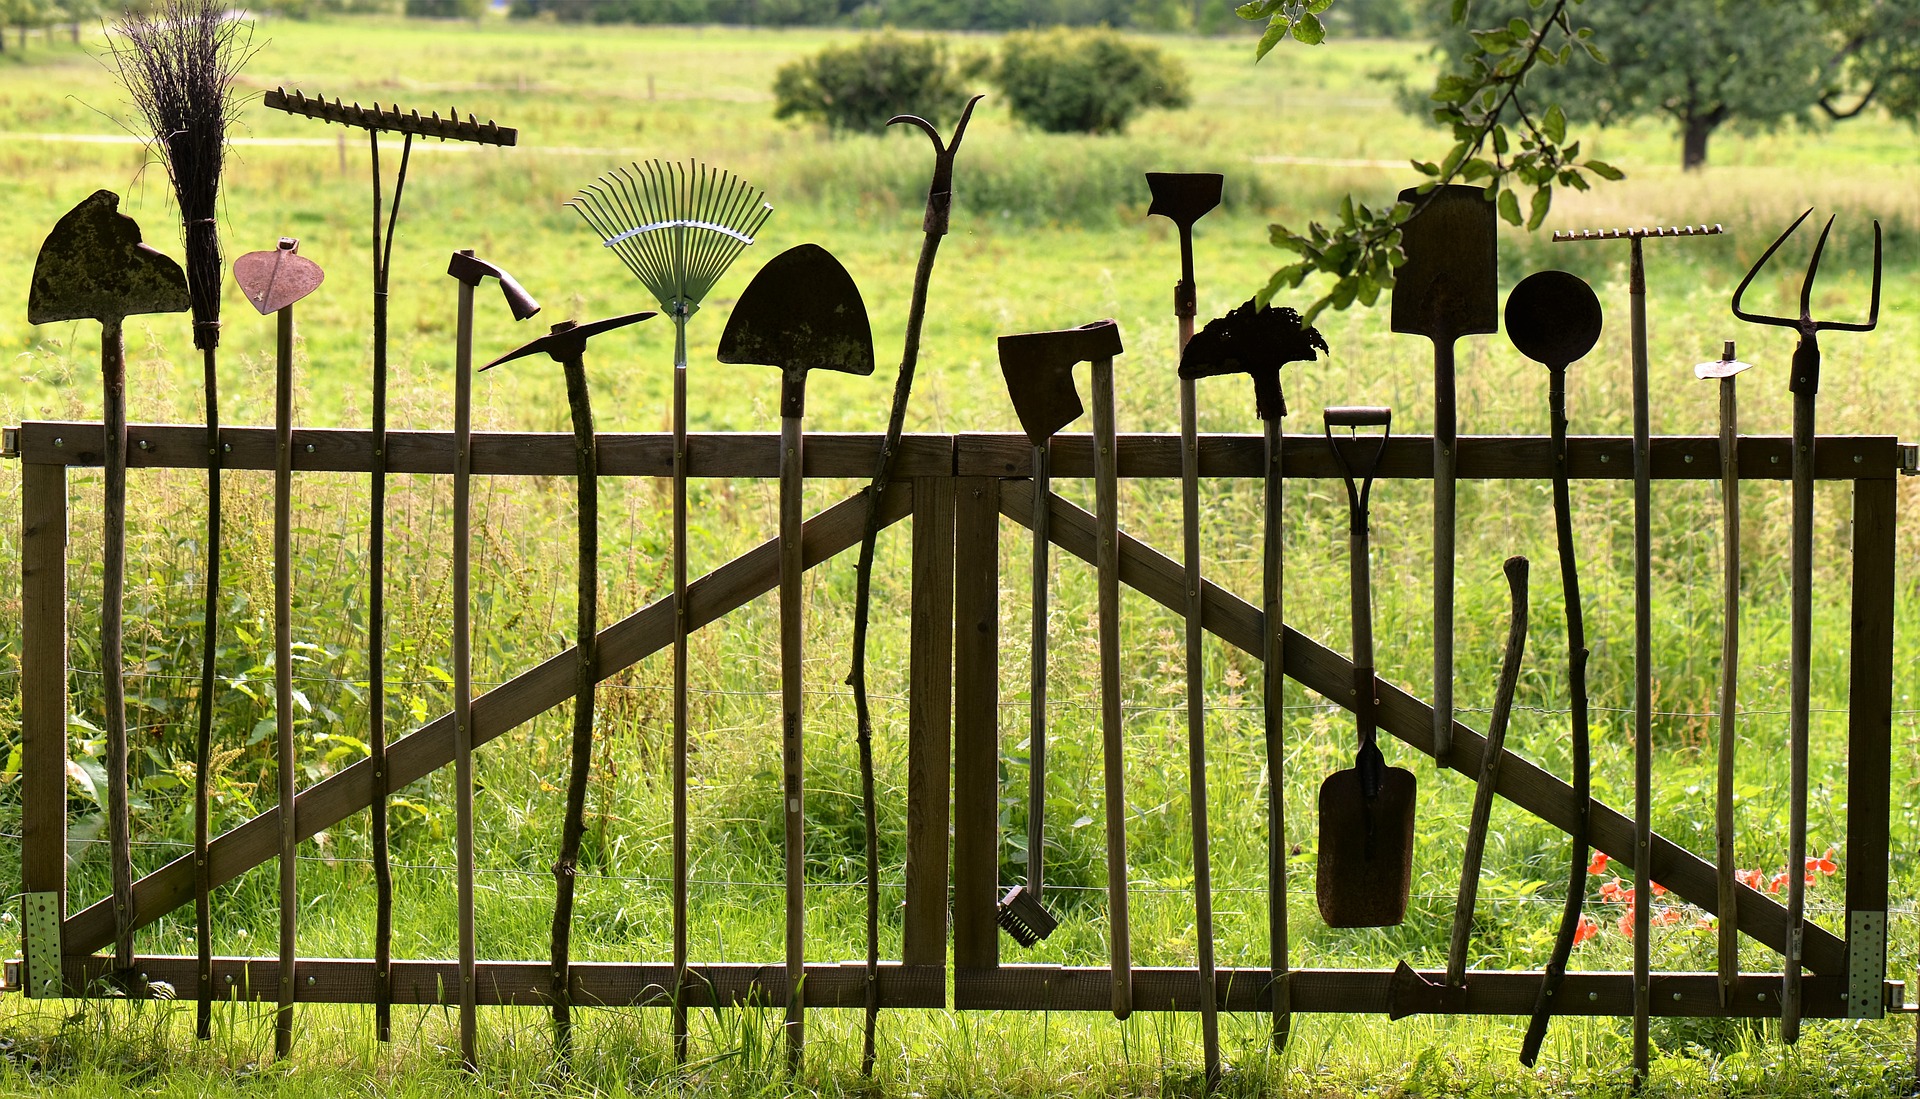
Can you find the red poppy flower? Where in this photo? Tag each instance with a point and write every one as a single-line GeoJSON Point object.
{"type": "Point", "coordinates": [1586, 929]}
{"type": "Point", "coordinates": [1599, 863]}
{"type": "Point", "coordinates": [1626, 923]}
{"type": "Point", "coordinates": [1658, 889]}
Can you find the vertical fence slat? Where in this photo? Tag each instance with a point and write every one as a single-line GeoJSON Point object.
{"type": "Point", "coordinates": [43, 681]}
{"type": "Point", "coordinates": [976, 725]}
{"type": "Point", "coordinates": [1869, 741]}
{"type": "Point", "coordinates": [929, 723]}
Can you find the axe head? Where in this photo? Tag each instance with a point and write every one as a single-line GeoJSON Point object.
{"type": "Point", "coordinates": [94, 266]}
{"type": "Point", "coordinates": [1039, 371]}
{"type": "Point", "coordinates": [274, 280]}
{"type": "Point", "coordinates": [1183, 197]}
{"type": "Point", "coordinates": [1257, 341]}
{"type": "Point", "coordinates": [567, 341]}
{"type": "Point", "coordinates": [802, 311]}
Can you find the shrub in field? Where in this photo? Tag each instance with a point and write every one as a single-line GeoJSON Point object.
{"type": "Point", "coordinates": [1066, 81]}
{"type": "Point", "coordinates": [857, 87]}
{"type": "Point", "coordinates": [446, 9]}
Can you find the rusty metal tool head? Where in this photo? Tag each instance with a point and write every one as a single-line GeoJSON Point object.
{"type": "Point", "coordinates": [1806, 355]}
{"type": "Point", "coordinates": [940, 191]}
{"type": "Point", "coordinates": [567, 340]}
{"type": "Point", "coordinates": [1184, 198]}
{"type": "Point", "coordinates": [1039, 370]}
{"type": "Point", "coordinates": [801, 312]}
{"type": "Point", "coordinates": [1255, 340]}
{"type": "Point", "coordinates": [275, 279]}
{"type": "Point", "coordinates": [94, 266]}
{"type": "Point", "coordinates": [470, 269]}
{"type": "Point", "coordinates": [392, 119]}
{"type": "Point", "coordinates": [1723, 368]}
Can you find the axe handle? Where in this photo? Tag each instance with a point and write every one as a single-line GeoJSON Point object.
{"type": "Point", "coordinates": [1106, 492]}
{"type": "Point", "coordinates": [283, 670]}
{"type": "Point", "coordinates": [791, 565]}
{"type": "Point", "coordinates": [1037, 674]}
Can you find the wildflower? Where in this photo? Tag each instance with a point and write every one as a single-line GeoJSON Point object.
{"type": "Point", "coordinates": [1613, 892]}
{"type": "Point", "coordinates": [1599, 864]}
{"type": "Point", "coordinates": [1752, 879]}
{"type": "Point", "coordinates": [1779, 880]}
{"type": "Point", "coordinates": [1658, 889]}
{"type": "Point", "coordinates": [1665, 915]}
{"type": "Point", "coordinates": [1823, 863]}
{"type": "Point", "coordinates": [1626, 923]}
{"type": "Point", "coordinates": [1586, 929]}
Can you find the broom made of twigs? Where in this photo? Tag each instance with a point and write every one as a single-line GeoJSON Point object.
{"type": "Point", "coordinates": [178, 62]}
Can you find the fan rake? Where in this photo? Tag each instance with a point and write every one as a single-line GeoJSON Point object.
{"type": "Point", "coordinates": [677, 228]}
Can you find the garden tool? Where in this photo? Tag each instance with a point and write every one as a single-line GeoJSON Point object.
{"type": "Point", "coordinates": [1408, 992]}
{"type": "Point", "coordinates": [801, 312]}
{"type": "Point", "coordinates": [1258, 341]}
{"type": "Point", "coordinates": [1045, 399]}
{"type": "Point", "coordinates": [408, 124]}
{"type": "Point", "coordinates": [934, 226]}
{"type": "Point", "coordinates": [566, 343]}
{"type": "Point", "coordinates": [1366, 812]}
{"type": "Point", "coordinates": [1726, 369]}
{"type": "Point", "coordinates": [1445, 290]}
{"type": "Point", "coordinates": [1185, 198]}
{"type": "Point", "coordinates": [178, 63]}
{"type": "Point", "coordinates": [468, 270]}
{"type": "Point", "coordinates": [1805, 385]}
{"type": "Point", "coordinates": [1554, 318]}
{"type": "Point", "coordinates": [677, 228]}
{"type": "Point", "coordinates": [94, 266]}
{"type": "Point", "coordinates": [1642, 619]}
{"type": "Point", "coordinates": [273, 281]}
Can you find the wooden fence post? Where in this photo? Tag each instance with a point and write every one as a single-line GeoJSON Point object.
{"type": "Point", "coordinates": [43, 717]}
{"type": "Point", "coordinates": [1869, 744]}
{"type": "Point", "coordinates": [976, 724]}
{"type": "Point", "coordinates": [929, 723]}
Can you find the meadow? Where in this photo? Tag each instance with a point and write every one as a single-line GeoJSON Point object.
{"type": "Point", "coordinates": [1048, 232]}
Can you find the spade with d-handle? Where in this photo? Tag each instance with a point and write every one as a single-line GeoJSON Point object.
{"type": "Point", "coordinates": [93, 266]}
{"type": "Point", "coordinates": [468, 270]}
{"type": "Point", "coordinates": [1045, 397]}
{"type": "Point", "coordinates": [1366, 811]}
{"type": "Point", "coordinates": [1554, 319]}
{"type": "Point", "coordinates": [1258, 341]}
{"type": "Point", "coordinates": [801, 312]}
{"type": "Point", "coordinates": [1805, 383]}
{"type": "Point", "coordinates": [1445, 290]}
{"type": "Point", "coordinates": [273, 281]}
{"type": "Point", "coordinates": [1185, 198]}
{"type": "Point", "coordinates": [567, 345]}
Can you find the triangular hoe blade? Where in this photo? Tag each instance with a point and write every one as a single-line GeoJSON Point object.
{"type": "Point", "coordinates": [93, 266]}
{"type": "Point", "coordinates": [273, 280]}
{"type": "Point", "coordinates": [802, 311]}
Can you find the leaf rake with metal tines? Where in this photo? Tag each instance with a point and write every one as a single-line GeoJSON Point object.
{"type": "Point", "coordinates": [677, 228]}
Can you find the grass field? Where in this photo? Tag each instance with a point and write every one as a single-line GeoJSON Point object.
{"type": "Point", "coordinates": [1048, 232]}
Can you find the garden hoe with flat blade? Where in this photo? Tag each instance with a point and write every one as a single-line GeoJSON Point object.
{"type": "Point", "coordinates": [1445, 290]}
{"type": "Point", "coordinates": [94, 267]}
{"type": "Point", "coordinates": [801, 312]}
{"type": "Point", "coordinates": [1039, 368]}
{"type": "Point", "coordinates": [273, 281]}
{"type": "Point", "coordinates": [1258, 341]}
{"type": "Point", "coordinates": [1365, 873]}
{"type": "Point", "coordinates": [567, 345]}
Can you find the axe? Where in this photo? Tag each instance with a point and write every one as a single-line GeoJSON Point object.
{"type": "Point", "coordinates": [1046, 401]}
{"type": "Point", "coordinates": [567, 345]}
{"type": "Point", "coordinates": [801, 312]}
{"type": "Point", "coordinates": [1258, 341]}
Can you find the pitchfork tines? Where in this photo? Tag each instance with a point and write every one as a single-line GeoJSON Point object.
{"type": "Point", "coordinates": [1806, 357]}
{"type": "Point", "coordinates": [676, 227]}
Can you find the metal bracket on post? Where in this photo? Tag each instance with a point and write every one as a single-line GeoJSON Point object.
{"type": "Point", "coordinates": [9, 442]}
{"type": "Point", "coordinates": [1909, 458]}
{"type": "Point", "coordinates": [1866, 964]}
{"type": "Point", "coordinates": [43, 978]}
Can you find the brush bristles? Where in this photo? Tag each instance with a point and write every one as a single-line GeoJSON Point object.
{"type": "Point", "coordinates": [178, 63]}
{"type": "Point", "coordinates": [676, 227]}
{"type": "Point", "coordinates": [1023, 917]}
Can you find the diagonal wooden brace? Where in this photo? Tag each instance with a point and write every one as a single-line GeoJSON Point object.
{"type": "Point", "coordinates": [518, 700]}
{"type": "Point", "coordinates": [1526, 785]}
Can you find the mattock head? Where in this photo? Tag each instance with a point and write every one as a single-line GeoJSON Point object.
{"type": "Point", "coordinates": [567, 341]}
{"type": "Point", "coordinates": [470, 269]}
{"type": "Point", "coordinates": [1039, 370]}
{"type": "Point", "coordinates": [1255, 340]}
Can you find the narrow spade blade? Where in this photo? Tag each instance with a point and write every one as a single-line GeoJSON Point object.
{"type": "Point", "coordinates": [1362, 883]}
{"type": "Point", "coordinates": [94, 266]}
{"type": "Point", "coordinates": [1448, 287]}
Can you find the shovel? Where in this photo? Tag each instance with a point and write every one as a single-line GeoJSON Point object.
{"type": "Point", "coordinates": [1446, 289]}
{"type": "Point", "coordinates": [273, 281]}
{"type": "Point", "coordinates": [1366, 812]}
{"type": "Point", "coordinates": [93, 266]}
{"type": "Point", "coordinates": [801, 312]}
{"type": "Point", "coordinates": [1408, 992]}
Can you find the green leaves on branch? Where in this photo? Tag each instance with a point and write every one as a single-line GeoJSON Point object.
{"type": "Point", "coordinates": [1502, 141]}
{"type": "Point", "coordinates": [1296, 19]}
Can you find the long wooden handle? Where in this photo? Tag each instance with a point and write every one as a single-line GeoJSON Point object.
{"type": "Point", "coordinates": [678, 1020]}
{"type": "Point", "coordinates": [1642, 668]}
{"type": "Point", "coordinates": [1197, 723]}
{"type": "Point", "coordinates": [1037, 676]}
{"type": "Point", "coordinates": [1445, 455]}
{"type": "Point", "coordinates": [1729, 933]}
{"type": "Point", "coordinates": [1799, 688]}
{"type": "Point", "coordinates": [791, 565]}
{"type": "Point", "coordinates": [283, 673]}
{"type": "Point", "coordinates": [1274, 690]}
{"type": "Point", "coordinates": [463, 667]}
{"type": "Point", "coordinates": [1106, 492]}
{"type": "Point", "coordinates": [113, 552]}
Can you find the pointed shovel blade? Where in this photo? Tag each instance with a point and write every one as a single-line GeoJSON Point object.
{"type": "Point", "coordinates": [801, 312]}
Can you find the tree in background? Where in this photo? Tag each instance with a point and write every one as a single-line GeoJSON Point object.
{"type": "Point", "coordinates": [1712, 63]}
{"type": "Point", "coordinates": [855, 88]}
{"type": "Point", "coordinates": [1067, 81]}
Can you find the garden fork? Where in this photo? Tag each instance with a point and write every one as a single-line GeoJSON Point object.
{"type": "Point", "coordinates": [1805, 385]}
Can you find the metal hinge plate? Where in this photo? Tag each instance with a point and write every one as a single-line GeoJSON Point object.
{"type": "Point", "coordinates": [1909, 458]}
{"type": "Point", "coordinates": [1866, 964]}
{"type": "Point", "coordinates": [43, 977]}
{"type": "Point", "coordinates": [9, 442]}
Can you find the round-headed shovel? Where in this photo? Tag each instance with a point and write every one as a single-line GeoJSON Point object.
{"type": "Point", "coordinates": [94, 267]}
{"type": "Point", "coordinates": [801, 312]}
{"type": "Point", "coordinates": [1365, 873]}
{"type": "Point", "coordinates": [566, 344]}
{"type": "Point", "coordinates": [1554, 318]}
{"type": "Point", "coordinates": [273, 281]}
{"type": "Point", "coordinates": [1258, 341]}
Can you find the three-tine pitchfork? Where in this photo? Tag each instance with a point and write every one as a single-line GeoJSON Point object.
{"type": "Point", "coordinates": [1805, 384]}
